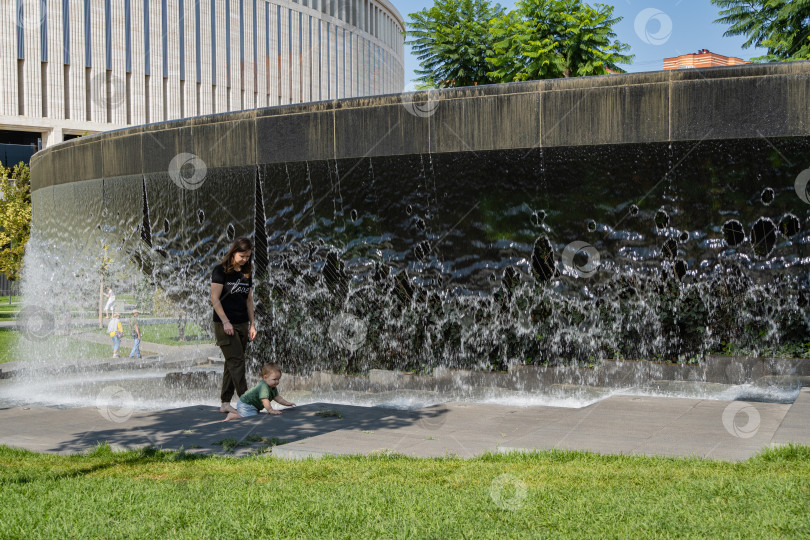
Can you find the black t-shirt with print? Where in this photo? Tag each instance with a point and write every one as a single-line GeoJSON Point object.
{"type": "Point", "coordinates": [235, 290]}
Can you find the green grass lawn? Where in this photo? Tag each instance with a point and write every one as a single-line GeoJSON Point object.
{"type": "Point", "coordinates": [12, 340]}
{"type": "Point", "coordinates": [167, 334]}
{"type": "Point", "coordinates": [4, 299]}
{"type": "Point", "coordinates": [8, 340]}
{"type": "Point", "coordinates": [151, 494]}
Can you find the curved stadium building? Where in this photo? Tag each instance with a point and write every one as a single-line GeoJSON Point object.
{"type": "Point", "coordinates": [73, 67]}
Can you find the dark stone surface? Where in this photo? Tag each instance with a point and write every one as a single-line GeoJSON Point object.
{"type": "Point", "coordinates": [749, 101]}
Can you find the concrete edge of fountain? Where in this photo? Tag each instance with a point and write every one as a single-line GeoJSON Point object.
{"type": "Point", "coordinates": [620, 424]}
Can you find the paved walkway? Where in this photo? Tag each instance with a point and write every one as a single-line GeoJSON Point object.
{"type": "Point", "coordinates": [617, 425]}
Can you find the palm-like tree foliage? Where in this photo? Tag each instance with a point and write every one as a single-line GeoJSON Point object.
{"type": "Point", "coordinates": [452, 42]}
{"type": "Point", "coordinates": [780, 26]}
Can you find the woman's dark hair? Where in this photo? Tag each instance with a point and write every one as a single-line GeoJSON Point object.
{"type": "Point", "coordinates": [240, 245]}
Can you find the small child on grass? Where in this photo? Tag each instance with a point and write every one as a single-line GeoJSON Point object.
{"type": "Point", "coordinates": [259, 397]}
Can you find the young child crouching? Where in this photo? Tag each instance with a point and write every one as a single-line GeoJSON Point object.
{"type": "Point", "coordinates": [259, 397]}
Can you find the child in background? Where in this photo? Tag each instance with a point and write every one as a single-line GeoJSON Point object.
{"type": "Point", "coordinates": [136, 336]}
{"type": "Point", "coordinates": [116, 332]}
{"type": "Point", "coordinates": [260, 396]}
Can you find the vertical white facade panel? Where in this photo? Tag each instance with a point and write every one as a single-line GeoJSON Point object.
{"type": "Point", "coordinates": [262, 56]}
{"type": "Point", "coordinates": [250, 62]}
{"type": "Point", "coordinates": [190, 59]}
{"type": "Point", "coordinates": [76, 90]}
{"type": "Point", "coordinates": [206, 86]}
{"type": "Point", "coordinates": [274, 89]}
{"type": "Point", "coordinates": [118, 80]}
{"type": "Point", "coordinates": [98, 72]}
{"type": "Point", "coordinates": [32, 66]}
{"type": "Point", "coordinates": [236, 80]}
{"type": "Point", "coordinates": [306, 57]}
{"type": "Point", "coordinates": [221, 90]}
{"type": "Point", "coordinates": [55, 68]}
{"type": "Point", "coordinates": [138, 53]}
{"type": "Point", "coordinates": [295, 67]}
{"type": "Point", "coordinates": [172, 82]}
{"type": "Point", "coordinates": [155, 54]}
{"type": "Point", "coordinates": [285, 75]}
{"type": "Point", "coordinates": [8, 59]}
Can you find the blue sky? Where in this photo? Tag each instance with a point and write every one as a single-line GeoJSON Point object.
{"type": "Point", "coordinates": [673, 27]}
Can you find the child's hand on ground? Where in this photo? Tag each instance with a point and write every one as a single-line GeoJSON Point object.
{"type": "Point", "coordinates": [273, 412]}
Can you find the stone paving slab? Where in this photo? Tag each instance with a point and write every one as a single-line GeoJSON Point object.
{"type": "Point", "coordinates": [616, 425]}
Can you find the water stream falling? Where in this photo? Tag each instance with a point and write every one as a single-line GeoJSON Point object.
{"type": "Point", "coordinates": [472, 261]}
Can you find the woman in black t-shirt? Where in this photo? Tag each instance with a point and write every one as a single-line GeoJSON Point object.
{"type": "Point", "coordinates": [232, 298]}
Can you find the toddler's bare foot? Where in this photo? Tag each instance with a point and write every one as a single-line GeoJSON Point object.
{"type": "Point", "coordinates": [232, 416]}
{"type": "Point", "coordinates": [227, 408]}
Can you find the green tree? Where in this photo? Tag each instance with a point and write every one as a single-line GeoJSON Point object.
{"type": "Point", "coordinates": [546, 39]}
{"type": "Point", "coordinates": [782, 27]}
{"type": "Point", "coordinates": [452, 42]}
{"type": "Point", "coordinates": [15, 217]}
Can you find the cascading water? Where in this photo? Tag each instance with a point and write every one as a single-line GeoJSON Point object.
{"type": "Point", "coordinates": [483, 261]}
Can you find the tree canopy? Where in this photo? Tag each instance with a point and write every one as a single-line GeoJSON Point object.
{"type": "Point", "coordinates": [466, 42]}
{"type": "Point", "coordinates": [452, 42]}
{"type": "Point", "coordinates": [15, 217]}
{"type": "Point", "coordinates": [780, 26]}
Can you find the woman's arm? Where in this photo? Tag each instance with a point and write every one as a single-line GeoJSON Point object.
{"type": "Point", "coordinates": [252, 331]}
{"type": "Point", "coordinates": [216, 292]}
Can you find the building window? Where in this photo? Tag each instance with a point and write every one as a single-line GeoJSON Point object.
{"type": "Point", "coordinates": [213, 43]}
{"type": "Point", "coordinates": [107, 36]}
{"type": "Point", "coordinates": [43, 29]}
{"type": "Point", "coordinates": [197, 44]}
{"type": "Point", "coordinates": [147, 67]}
{"type": "Point", "coordinates": [88, 36]}
{"type": "Point", "coordinates": [128, 35]}
{"type": "Point", "coordinates": [228, 42]}
{"type": "Point", "coordinates": [19, 29]}
{"type": "Point", "coordinates": [66, 32]}
{"type": "Point", "coordinates": [181, 8]}
{"type": "Point", "coordinates": [164, 27]}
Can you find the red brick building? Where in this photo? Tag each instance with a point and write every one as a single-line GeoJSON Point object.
{"type": "Point", "coordinates": [702, 58]}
